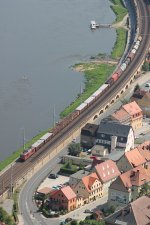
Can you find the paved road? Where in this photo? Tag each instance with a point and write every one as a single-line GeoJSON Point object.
{"type": "Point", "coordinates": [25, 202]}
{"type": "Point", "coordinates": [28, 208]}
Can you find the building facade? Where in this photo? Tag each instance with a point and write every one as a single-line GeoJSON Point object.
{"type": "Point", "coordinates": [114, 136]}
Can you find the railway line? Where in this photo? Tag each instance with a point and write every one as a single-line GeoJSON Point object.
{"type": "Point", "coordinates": [19, 169]}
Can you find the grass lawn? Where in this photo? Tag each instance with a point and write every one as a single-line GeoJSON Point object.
{"type": "Point", "coordinates": [118, 9]}
{"type": "Point", "coordinates": [95, 76]}
{"type": "Point", "coordinates": [120, 44]}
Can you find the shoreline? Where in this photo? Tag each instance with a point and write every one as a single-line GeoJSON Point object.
{"type": "Point", "coordinates": [13, 157]}
{"type": "Point", "coordinates": [110, 60]}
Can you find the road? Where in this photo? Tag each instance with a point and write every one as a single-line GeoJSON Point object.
{"type": "Point", "coordinates": [28, 207]}
{"type": "Point", "coordinates": [25, 202]}
{"type": "Point", "coordinates": [19, 169]}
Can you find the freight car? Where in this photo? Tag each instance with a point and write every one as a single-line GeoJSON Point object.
{"type": "Point", "coordinates": [68, 119]}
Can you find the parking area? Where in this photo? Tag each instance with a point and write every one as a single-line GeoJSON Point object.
{"type": "Point", "coordinates": [49, 182]}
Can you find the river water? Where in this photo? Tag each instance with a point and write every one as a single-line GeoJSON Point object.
{"type": "Point", "coordinates": [39, 42]}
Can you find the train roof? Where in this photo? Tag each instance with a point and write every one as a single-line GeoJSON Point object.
{"type": "Point", "coordinates": [37, 143]}
{"type": "Point", "coordinates": [96, 93]}
{"type": "Point", "coordinates": [27, 151]}
{"type": "Point", "coordinates": [45, 136]}
{"type": "Point", "coordinates": [90, 99]}
{"type": "Point", "coordinates": [82, 106]}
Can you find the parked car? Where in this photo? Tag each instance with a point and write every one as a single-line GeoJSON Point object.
{"type": "Point", "coordinates": [62, 223]}
{"type": "Point", "coordinates": [53, 176]}
{"type": "Point", "coordinates": [147, 85]}
{"type": "Point", "coordinates": [74, 140]}
{"type": "Point", "coordinates": [89, 151]}
{"type": "Point", "coordinates": [88, 211]}
{"type": "Point", "coordinates": [68, 219]}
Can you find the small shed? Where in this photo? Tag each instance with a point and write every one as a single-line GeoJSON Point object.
{"type": "Point", "coordinates": [99, 150]}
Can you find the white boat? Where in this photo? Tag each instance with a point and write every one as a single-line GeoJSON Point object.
{"type": "Point", "coordinates": [93, 24]}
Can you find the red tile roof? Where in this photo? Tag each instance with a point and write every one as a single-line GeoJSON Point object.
{"type": "Point", "coordinates": [107, 171]}
{"type": "Point", "coordinates": [141, 210]}
{"type": "Point", "coordinates": [144, 150]}
{"type": "Point", "coordinates": [135, 158]}
{"type": "Point", "coordinates": [121, 115]}
{"type": "Point", "coordinates": [68, 192]}
{"type": "Point", "coordinates": [132, 108]}
{"type": "Point", "coordinates": [89, 180]}
{"type": "Point", "coordinates": [135, 177]}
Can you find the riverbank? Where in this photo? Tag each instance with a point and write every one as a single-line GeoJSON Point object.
{"type": "Point", "coordinates": [96, 74]}
{"type": "Point", "coordinates": [91, 68]}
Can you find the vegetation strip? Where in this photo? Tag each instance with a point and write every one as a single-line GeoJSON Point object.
{"type": "Point", "coordinates": [120, 43]}
{"type": "Point", "coordinates": [119, 9]}
{"type": "Point", "coordinates": [95, 76]}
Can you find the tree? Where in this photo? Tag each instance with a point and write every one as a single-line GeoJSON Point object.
{"type": "Point", "coordinates": [4, 217]}
{"type": "Point", "coordinates": [74, 149]}
{"type": "Point", "coordinates": [145, 190]}
{"type": "Point", "coordinates": [146, 66]}
{"type": "Point", "coordinates": [74, 222]}
{"type": "Point", "coordinates": [137, 88]}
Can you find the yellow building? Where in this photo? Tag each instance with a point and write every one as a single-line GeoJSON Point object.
{"type": "Point", "coordinates": [131, 114]}
{"type": "Point", "coordinates": [89, 187]}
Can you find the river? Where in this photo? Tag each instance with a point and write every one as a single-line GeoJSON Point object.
{"type": "Point", "coordinates": [39, 42]}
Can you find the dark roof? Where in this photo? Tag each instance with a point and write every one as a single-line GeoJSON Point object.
{"type": "Point", "coordinates": [90, 127]}
{"type": "Point", "coordinates": [114, 128]}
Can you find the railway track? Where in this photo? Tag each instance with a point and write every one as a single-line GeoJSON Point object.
{"type": "Point", "coordinates": [19, 169]}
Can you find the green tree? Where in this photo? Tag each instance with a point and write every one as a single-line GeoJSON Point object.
{"type": "Point", "coordinates": [74, 222]}
{"type": "Point", "coordinates": [137, 88]}
{"type": "Point", "coordinates": [69, 165]}
{"type": "Point", "coordinates": [146, 66]}
{"type": "Point", "coordinates": [4, 217]}
{"type": "Point", "coordinates": [74, 149]}
{"type": "Point", "coordinates": [145, 190]}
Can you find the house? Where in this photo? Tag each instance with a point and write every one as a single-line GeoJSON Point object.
{"type": "Point", "coordinates": [79, 201]}
{"type": "Point", "coordinates": [88, 133]}
{"type": "Point", "coordinates": [43, 192]}
{"type": "Point", "coordinates": [130, 160]}
{"type": "Point", "coordinates": [63, 199]}
{"type": "Point", "coordinates": [142, 98]}
{"type": "Point", "coordinates": [89, 187]}
{"type": "Point", "coordinates": [121, 116]}
{"type": "Point", "coordinates": [127, 186]}
{"type": "Point", "coordinates": [107, 172]}
{"type": "Point", "coordinates": [114, 136]}
{"type": "Point", "coordinates": [77, 177]}
{"type": "Point", "coordinates": [144, 150]}
{"type": "Point", "coordinates": [130, 114]}
{"type": "Point", "coordinates": [136, 213]}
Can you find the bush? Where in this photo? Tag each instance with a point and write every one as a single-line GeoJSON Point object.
{"type": "Point", "coordinates": [68, 168]}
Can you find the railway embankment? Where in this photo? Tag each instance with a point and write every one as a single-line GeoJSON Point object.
{"type": "Point", "coordinates": [96, 71]}
{"type": "Point", "coordinates": [92, 82]}
{"type": "Point", "coordinates": [40, 164]}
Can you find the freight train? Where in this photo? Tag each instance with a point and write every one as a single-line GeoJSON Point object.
{"type": "Point", "coordinates": [68, 119]}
